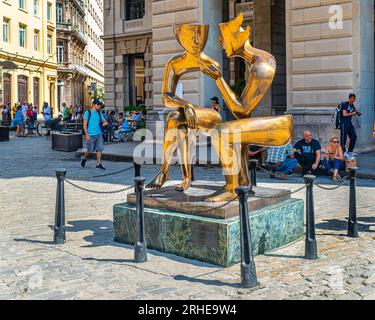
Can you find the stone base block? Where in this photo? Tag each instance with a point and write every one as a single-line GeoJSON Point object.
{"type": "Point", "coordinates": [67, 142]}
{"type": "Point", "coordinates": [212, 240]}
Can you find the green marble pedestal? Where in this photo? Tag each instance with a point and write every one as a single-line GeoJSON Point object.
{"type": "Point", "coordinates": [213, 239]}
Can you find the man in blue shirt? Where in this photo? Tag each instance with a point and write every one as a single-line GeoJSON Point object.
{"type": "Point", "coordinates": [124, 129]}
{"type": "Point", "coordinates": [93, 121]}
{"type": "Point", "coordinates": [308, 153]}
{"type": "Point", "coordinates": [348, 110]}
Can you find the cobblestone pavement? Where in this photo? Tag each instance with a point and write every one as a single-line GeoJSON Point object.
{"type": "Point", "coordinates": [91, 266]}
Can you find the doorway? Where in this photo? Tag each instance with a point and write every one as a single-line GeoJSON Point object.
{"type": "Point", "coordinates": [134, 80]}
{"type": "Point", "coordinates": [7, 88]}
{"type": "Point", "coordinates": [22, 89]}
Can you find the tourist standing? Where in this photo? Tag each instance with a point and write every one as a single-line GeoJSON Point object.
{"type": "Point", "coordinates": [348, 111]}
{"type": "Point", "coordinates": [47, 113]}
{"type": "Point", "coordinates": [25, 107]}
{"type": "Point", "coordinates": [35, 113]}
{"type": "Point", "coordinates": [6, 116]}
{"type": "Point", "coordinates": [19, 121]}
{"type": "Point", "coordinates": [65, 112]}
{"type": "Point", "coordinates": [92, 126]}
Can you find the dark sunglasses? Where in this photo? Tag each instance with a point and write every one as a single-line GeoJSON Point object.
{"type": "Point", "coordinates": [335, 141]}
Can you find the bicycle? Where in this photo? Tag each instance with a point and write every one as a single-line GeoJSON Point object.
{"type": "Point", "coordinates": [43, 128]}
{"type": "Point", "coordinates": [30, 128]}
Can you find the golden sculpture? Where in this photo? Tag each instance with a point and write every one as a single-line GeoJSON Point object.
{"type": "Point", "coordinates": [266, 131]}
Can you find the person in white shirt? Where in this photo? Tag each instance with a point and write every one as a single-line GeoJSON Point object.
{"type": "Point", "coordinates": [47, 113]}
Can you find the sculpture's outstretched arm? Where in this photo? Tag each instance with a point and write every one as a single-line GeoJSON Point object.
{"type": "Point", "coordinates": [231, 100]}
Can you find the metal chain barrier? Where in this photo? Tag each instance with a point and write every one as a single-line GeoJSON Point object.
{"type": "Point", "coordinates": [113, 173]}
{"type": "Point", "coordinates": [95, 191]}
{"type": "Point", "coordinates": [342, 184]}
{"type": "Point", "coordinates": [104, 175]}
{"type": "Point", "coordinates": [279, 195]}
{"type": "Point", "coordinates": [263, 169]}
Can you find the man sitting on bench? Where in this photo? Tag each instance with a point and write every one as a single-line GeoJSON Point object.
{"type": "Point", "coordinates": [125, 130]}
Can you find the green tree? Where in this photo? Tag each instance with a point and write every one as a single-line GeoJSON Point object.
{"type": "Point", "coordinates": [98, 93]}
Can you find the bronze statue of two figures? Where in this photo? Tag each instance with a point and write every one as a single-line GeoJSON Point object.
{"type": "Point", "coordinates": [225, 136]}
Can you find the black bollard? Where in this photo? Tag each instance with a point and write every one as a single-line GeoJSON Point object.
{"type": "Point", "coordinates": [248, 270]}
{"type": "Point", "coordinates": [352, 223]}
{"type": "Point", "coordinates": [192, 172]}
{"type": "Point", "coordinates": [253, 172]}
{"type": "Point", "coordinates": [140, 248]}
{"type": "Point", "coordinates": [137, 169]}
{"type": "Point", "coordinates": [59, 227]}
{"type": "Point", "coordinates": [311, 251]}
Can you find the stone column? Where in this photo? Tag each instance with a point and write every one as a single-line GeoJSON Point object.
{"type": "Point", "coordinates": [327, 61]}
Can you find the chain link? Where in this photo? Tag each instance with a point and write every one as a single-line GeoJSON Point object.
{"type": "Point", "coordinates": [113, 173]}
{"type": "Point", "coordinates": [96, 191]}
{"type": "Point", "coordinates": [263, 169]}
{"type": "Point", "coordinates": [342, 184]}
{"type": "Point", "coordinates": [279, 195]}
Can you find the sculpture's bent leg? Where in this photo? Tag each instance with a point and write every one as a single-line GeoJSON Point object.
{"type": "Point", "coordinates": [183, 148]}
{"type": "Point", "coordinates": [267, 132]}
{"type": "Point", "coordinates": [230, 163]}
{"type": "Point", "coordinates": [176, 138]}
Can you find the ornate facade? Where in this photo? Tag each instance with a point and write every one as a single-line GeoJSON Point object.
{"type": "Point", "coordinates": [70, 48]}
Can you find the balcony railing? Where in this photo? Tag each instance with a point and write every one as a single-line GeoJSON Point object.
{"type": "Point", "coordinates": [75, 31]}
{"type": "Point", "coordinates": [135, 9]}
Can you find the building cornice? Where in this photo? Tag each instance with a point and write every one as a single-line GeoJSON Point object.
{"type": "Point", "coordinates": [128, 35]}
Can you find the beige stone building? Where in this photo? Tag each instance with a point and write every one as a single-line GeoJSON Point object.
{"type": "Point", "coordinates": [324, 51]}
{"type": "Point", "coordinates": [27, 42]}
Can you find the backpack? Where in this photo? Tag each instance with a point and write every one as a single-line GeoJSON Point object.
{"type": "Point", "coordinates": [336, 117]}
{"type": "Point", "coordinates": [100, 120]}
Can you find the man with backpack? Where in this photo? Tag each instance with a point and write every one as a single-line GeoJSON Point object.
{"type": "Point", "coordinates": [347, 111]}
{"type": "Point", "coordinates": [93, 121]}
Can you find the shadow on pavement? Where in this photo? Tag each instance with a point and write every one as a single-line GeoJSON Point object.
{"type": "Point", "coordinates": [283, 256]}
{"type": "Point", "coordinates": [33, 241]}
{"type": "Point", "coordinates": [110, 260]}
{"type": "Point", "coordinates": [342, 225]}
{"type": "Point", "coordinates": [102, 236]}
{"type": "Point", "coordinates": [207, 282]}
